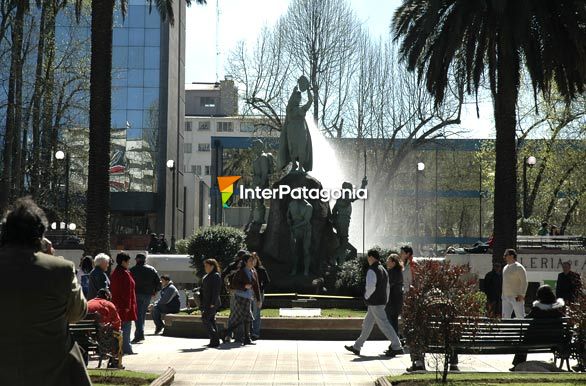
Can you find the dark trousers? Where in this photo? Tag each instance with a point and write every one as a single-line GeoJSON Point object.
{"type": "Point", "coordinates": [208, 318]}
{"type": "Point", "coordinates": [159, 312]}
{"type": "Point", "coordinates": [142, 306]}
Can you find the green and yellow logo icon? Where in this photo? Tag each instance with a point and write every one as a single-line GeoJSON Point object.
{"type": "Point", "coordinates": [226, 185]}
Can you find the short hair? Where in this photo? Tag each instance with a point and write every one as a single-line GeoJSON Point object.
{"type": "Point", "coordinates": [140, 258]}
{"type": "Point", "coordinates": [373, 253]}
{"type": "Point", "coordinates": [25, 224]}
{"type": "Point", "coordinates": [100, 258]}
{"type": "Point", "coordinates": [567, 263]}
{"type": "Point", "coordinates": [240, 253]}
{"type": "Point", "coordinates": [398, 262]}
{"type": "Point", "coordinates": [407, 249]}
{"type": "Point", "coordinates": [511, 252]}
{"type": "Point", "coordinates": [122, 257]}
{"type": "Point", "coordinates": [104, 293]}
{"type": "Point", "coordinates": [166, 277]}
{"type": "Point", "coordinates": [544, 224]}
{"type": "Point", "coordinates": [214, 263]}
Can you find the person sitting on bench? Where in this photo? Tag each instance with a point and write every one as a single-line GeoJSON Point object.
{"type": "Point", "coordinates": [545, 307]}
{"type": "Point", "coordinates": [109, 318]}
{"type": "Point", "coordinates": [168, 303]}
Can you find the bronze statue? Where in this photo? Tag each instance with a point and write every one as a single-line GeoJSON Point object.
{"type": "Point", "coordinates": [341, 214]}
{"type": "Point", "coordinates": [299, 215]}
{"type": "Point", "coordinates": [262, 168]}
{"type": "Point", "coordinates": [295, 141]}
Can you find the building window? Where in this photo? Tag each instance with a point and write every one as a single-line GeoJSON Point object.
{"type": "Point", "coordinates": [207, 102]}
{"type": "Point", "coordinates": [187, 126]}
{"type": "Point", "coordinates": [207, 170]}
{"type": "Point", "coordinates": [187, 148]}
{"type": "Point", "coordinates": [203, 147]}
{"type": "Point", "coordinates": [225, 127]}
{"type": "Point", "coordinates": [246, 127]}
{"type": "Point", "coordinates": [196, 169]}
{"type": "Point", "coordinates": [204, 126]}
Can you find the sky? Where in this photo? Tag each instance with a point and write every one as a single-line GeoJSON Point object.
{"type": "Point", "coordinates": [243, 20]}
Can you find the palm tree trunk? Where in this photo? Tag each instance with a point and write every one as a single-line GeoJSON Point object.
{"type": "Point", "coordinates": [505, 182]}
{"type": "Point", "coordinates": [98, 191]}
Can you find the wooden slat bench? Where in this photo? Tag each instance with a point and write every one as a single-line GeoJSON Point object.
{"type": "Point", "coordinates": [513, 336]}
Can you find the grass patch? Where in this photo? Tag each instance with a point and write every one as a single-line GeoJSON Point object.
{"type": "Point", "coordinates": [490, 379]}
{"type": "Point", "coordinates": [104, 377]}
{"type": "Point", "coordinates": [325, 313]}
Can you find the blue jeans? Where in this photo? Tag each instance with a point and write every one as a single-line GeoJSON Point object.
{"type": "Point", "coordinates": [142, 305]}
{"type": "Point", "coordinates": [256, 313]}
{"type": "Point", "coordinates": [126, 329]}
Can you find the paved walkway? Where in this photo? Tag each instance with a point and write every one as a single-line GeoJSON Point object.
{"type": "Point", "coordinates": [282, 362]}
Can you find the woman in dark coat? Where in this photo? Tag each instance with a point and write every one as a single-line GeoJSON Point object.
{"type": "Point", "coordinates": [123, 296]}
{"type": "Point", "coordinates": [263, 281]}
{"type": "Point", "coordinates": [245, 283]}
{"type": "Point", "coordinates": [545, 307]}
{"type": "Point", "coordinates": [395, 303]}
{"type": "Point", "coordinates": [210, 299]}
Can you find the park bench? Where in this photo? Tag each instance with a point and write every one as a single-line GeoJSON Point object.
{"type": "Point", "coordinates": [512, 336]}
{"type": "Point", "coordinates": [93, 338]}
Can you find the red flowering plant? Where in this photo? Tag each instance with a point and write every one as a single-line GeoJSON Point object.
{"type": "Point", "coordinates": [442, 303]}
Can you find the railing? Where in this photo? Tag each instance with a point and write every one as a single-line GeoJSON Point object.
{"type": "Point", "coordinates": [562, 243]}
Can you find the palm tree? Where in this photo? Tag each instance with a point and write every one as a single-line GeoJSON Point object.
{"type": "Point", "coordinates": [461, 39]}
{"type": "Point", "coordinates": [98, 189]}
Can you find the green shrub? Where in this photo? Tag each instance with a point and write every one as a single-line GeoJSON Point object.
{"type": "Point", "coordinates": [217, 242]}
{"type": "Point", "coordinates": [182, 246]}
{"type": "Point", "coordinates": [351, 277]}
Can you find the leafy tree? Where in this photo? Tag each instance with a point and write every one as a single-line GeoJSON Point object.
{"type": "Point", "coordinates": [464, 39]}
{"type": "Point", "coordinates": [216, 242]}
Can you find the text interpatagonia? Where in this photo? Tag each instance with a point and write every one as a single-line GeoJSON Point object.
{"type": "Point", "coordinates": [302, 193]}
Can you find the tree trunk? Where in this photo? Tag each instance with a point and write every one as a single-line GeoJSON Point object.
{"type": "Point", "coordinates": [505, 181]}
{"type": "Point", "coordinates": [11, 134]}
{"type": "Point", "coordinates": [98, 187]}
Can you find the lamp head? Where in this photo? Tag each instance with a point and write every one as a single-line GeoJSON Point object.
{"type": "Point", "coordinates": [171, 164]}
{"type": "Point", "coordinates": [420, 166]}
{"type": "Point", "coordinates": [59, 154]}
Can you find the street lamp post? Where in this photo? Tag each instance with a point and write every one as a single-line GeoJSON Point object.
{"type": "Point", "coordinates": [172, 168]}
{"type": "Point", "coordinates": [420, 169]}
{"type": "Point", "coordinates": [527, 162]}
{"type": "Point", "coordinates": [60, 155]}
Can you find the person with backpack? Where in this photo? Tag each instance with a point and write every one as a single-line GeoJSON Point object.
{"type": "Point", "coordinates": [227, 276]}
{"type": "Point", "coordinates": [86, 265]}
{"type": "Point", "coordinates": [245, 285]}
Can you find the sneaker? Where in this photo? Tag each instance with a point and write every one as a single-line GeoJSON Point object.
{"type": "Point", "coordinates": [248, 342]}
{"type": "Point", "coordinates": [578, 368]}
{"type": "Point", "coordinates": [352, 350]}
{"type": "Point", "coordinates": [415, 367]}
{"type": "Point", "coordinates": [254, 337]}
{"type": "Point", "coordinates": [512, 368]}
{"type": "Point", "coordinates": [213, 344]}
{"type": "Point", "coordinates": [226, 339]}
{"type": "Point", "coordinates": [158, 330]}
{"type": "Point", "coordinates": [137, 340]}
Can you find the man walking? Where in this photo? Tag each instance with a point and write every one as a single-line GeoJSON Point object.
{"type": "Point", "coordinates": [493, 288]}
{"type": "Point", "coordinates": [376, 296]}
{"type": "Point", "coordinates": [148, 284]}
{"type": "Point", "coordinates": [514, 286]}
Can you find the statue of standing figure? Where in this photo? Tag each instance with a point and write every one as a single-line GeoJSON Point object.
{"type": "Point", "coordinates": [341, 215]}
{"type": "Point", "coordinates": [299, 215]}
{"type": "Point", "coordinates": [295, 141]}
{"type": "Point", "coordinates": [262, 168]}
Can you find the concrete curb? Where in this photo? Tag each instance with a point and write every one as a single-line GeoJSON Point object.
{"type": "Point", "coordinates": [382, 381]}
{"type": "Point", "coordinates": [165, 379]}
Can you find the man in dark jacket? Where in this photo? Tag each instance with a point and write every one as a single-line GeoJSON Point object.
{"type": "Point", "coordinates": [376, 297]}
{"type": "Point", "coordinates": [148, 283]}
{"type": "Point", "coordinates": [168, 303]}
{"type": "Point", "coordinates": [40, 297]}
{"type": "Point", "coordinates": [493, 288]}
{"type": "Point", "coordinates": [98, 276]}
{"type": "Point", "coordinates": [568, 284]}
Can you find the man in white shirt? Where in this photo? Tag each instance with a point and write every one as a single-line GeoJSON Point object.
{"type": "Point", "coordinates": [514, 286]}
{"type": "Point", "coordinates": [376, 297]}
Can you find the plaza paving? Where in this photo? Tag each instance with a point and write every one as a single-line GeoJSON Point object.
{"type": "Point", "coordinates": [282, 362]}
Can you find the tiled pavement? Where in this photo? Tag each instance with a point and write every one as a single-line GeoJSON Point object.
{"type": "Point", "coordinates": [282, 362]}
